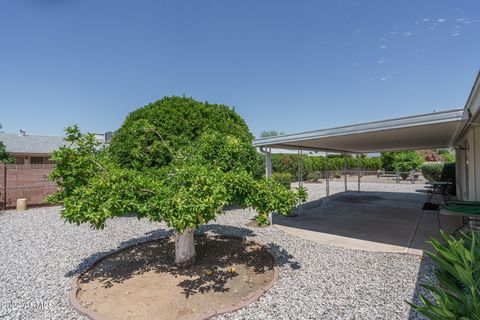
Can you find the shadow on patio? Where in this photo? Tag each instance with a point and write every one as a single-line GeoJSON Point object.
{"type": "Point", "coordinates": [377, 221]}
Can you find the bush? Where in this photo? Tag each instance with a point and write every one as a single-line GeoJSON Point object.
{"type": "Point", "coordinates": [403, 161]}
{"type": "Point", "coordinates": [314, 176]}
{"type": "Point", "coordinates": [404, 175]}
{"type": "Point", "coordinates": [284, 178]}
{"type": "Point", "coordinates": [432, 171]}
{"type": "Point", "coordinates": [447, 155]}
{"type": "Point", "coordinates": [407, 161]}
{"type": "Point", "coordinates": [440, 172]}
{"type": "Point", "coordinates": [456, 292]}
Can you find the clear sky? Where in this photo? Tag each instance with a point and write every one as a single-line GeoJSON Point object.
{"type": "Point", "coordinates": [285, 65]}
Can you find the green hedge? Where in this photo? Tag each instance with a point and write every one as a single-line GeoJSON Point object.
{"type": "Point", "coordinates": [289, 163]}
{"type": "Point", "coordinates": [284, 178]}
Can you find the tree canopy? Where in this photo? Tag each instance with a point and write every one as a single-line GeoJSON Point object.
{"type": "Point", "coordinates": [150, 136]}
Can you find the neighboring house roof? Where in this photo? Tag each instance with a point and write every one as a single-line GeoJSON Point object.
{"type": "Point", "coordinates": [30, 143]}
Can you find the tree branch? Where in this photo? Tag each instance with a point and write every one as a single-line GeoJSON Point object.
{"type": "Point", "coordinates": [147, 191]}
{"type": "Point", "coordinates": [161, 138]}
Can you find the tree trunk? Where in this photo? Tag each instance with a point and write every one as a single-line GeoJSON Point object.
{"type": "Point", "coordinates": [185, 248]}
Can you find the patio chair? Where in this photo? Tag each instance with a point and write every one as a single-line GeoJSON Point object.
{"type": "Point", "coordinates": [468, 210]}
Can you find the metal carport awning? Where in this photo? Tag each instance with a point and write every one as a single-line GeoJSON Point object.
{"type": "Point", "coordinates": [425, 131]}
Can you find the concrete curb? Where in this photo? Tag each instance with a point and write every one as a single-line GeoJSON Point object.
{"type": "Point", "coordinates": [75, 288]}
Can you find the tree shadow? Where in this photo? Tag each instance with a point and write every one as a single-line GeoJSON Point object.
{"type": "Point", "coordinates": [218, 248]}
{"type": "Point", "coordinates": [88, 261]}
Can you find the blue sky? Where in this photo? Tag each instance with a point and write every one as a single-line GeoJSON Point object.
{"type": "Point", "coordinates": [284, 65]}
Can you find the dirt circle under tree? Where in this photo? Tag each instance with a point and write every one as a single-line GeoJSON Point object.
{"type": "Point", "coordinates": [143, 282]}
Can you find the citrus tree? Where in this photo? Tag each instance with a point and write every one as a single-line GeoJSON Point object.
{"type": "Point", "coordinates": [156, 171]}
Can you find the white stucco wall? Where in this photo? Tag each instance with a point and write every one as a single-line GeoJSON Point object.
{"type": "Point", "coordinates": [468, 150]}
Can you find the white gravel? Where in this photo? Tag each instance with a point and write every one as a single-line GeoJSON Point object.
{"type": "Point", "coordinates": [40, 254]}
{"type": "Point", "coordinates": [318, 190]}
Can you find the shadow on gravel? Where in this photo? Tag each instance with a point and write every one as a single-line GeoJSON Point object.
{"type": "Point", "coordinates": [211, 272]}
{"type": "Point", "coordinates": [87, 262]}
{"type": "Point", "coordinates": [425, 273]}
{"type": "Point", "coordinates": [159, 256]}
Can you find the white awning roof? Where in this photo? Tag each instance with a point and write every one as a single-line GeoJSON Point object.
{"type": "Point", "coordinates": [425, 131]}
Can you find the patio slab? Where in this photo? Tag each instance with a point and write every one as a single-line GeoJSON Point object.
{"type": "Point", "coordinates": [374, 221]}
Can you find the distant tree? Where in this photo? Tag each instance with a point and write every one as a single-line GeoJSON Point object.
{"type": "Point", "coordinates": [402, 161]}
{"type": "Point", "coordinates": [5, 157]}
{"type": "Point", "coordinates": [446, 155]}
{"type": "Point", "coordinates": [271, 133]}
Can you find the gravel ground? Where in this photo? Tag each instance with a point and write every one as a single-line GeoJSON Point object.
{"type": "Point", "coordinates": [41, 254]}
{"type": "Point", "coordinates": [318, 190]}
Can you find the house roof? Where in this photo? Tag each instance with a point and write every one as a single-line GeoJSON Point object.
{"type": "Point", "coordinates": [431, 130]}
{"type": "Point", "coordinates": [30, 143]}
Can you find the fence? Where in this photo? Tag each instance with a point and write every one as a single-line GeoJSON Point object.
{"type": "Point", "coordinates": [28, 181]}
{"type": "Point", "coordinates": [328, 183]}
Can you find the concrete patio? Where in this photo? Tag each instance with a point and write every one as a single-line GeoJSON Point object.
{"type": "Point", "coordinates": [374, 221]}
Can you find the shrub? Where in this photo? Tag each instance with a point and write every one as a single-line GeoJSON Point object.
{"type": "Point", "coordinates": [432, 171]}
{"type": "Point", "coordinates": [440, 172]}
{"type": "Point", "coordinates": [447, 155]}
{"type": "Point", "coordinates": [406, 161]}
{"type": "Point", "coordinates": [403, 161]}
{"type": "Point", "coordinates": [314, 176]}
{"type": "Point", "coordinates": [456, 293]}
{"type": "Point", "coordinates": [284, 178]}
{"type": "Point", "coordinates": [404, 175]}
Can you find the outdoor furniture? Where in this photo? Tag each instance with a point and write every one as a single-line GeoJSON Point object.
{"type": "Point", "coordinates": [468, 210]}
{"type": "Point", "coordinates": [438, 188]}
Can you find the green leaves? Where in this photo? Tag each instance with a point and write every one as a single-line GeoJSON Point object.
{"type": "Point", "coordinates": [5, 157]}
{"type": "Point", "coordinates": [200, 179]}
{"type": "Point", "coordinates": [457, 291]}
{"type": "Point", "coordinates": [151, 136]}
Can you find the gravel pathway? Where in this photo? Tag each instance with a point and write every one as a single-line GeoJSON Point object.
{"type": "Point", "coordinates": [40, 254]}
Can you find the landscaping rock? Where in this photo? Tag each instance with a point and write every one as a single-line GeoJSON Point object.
{"type": "Point", "coordinates": [41, 254]}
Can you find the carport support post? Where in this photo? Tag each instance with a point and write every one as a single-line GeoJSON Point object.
{"type": "Point", "coordinates": [300, 177]}
{"type": "Point", "coordinates": [268, 162]}
{"type": "Point", "coordinates": [358, 171]}
{"type": "Point", "coordinates": [327, 181]}
{"type": "Point", "coordinates": [345, 170]}
{"type": "Point", "coordinates": [268, 173]}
